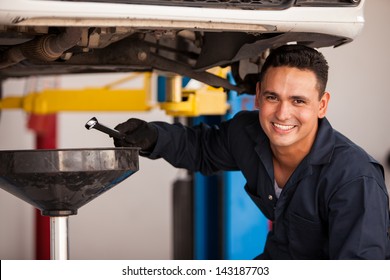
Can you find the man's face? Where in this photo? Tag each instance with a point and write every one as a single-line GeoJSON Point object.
{"type": "Point", "coordinates": [289, 107]}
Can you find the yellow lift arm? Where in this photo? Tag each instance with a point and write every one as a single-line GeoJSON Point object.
{"type": "Point", "coordinates": [187, 103]}
{"type": "Point", "coordinates": [198, 102]}
{"type": "Point", "coordinates": [88, 99]}
{"type": "Point", "coordinates": [205, 100]}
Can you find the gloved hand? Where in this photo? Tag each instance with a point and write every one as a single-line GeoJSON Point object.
{"type": "Point", "coordinates": [138, 133]}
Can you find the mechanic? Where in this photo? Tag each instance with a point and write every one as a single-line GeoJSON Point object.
{"type": "Point", "coordinates": [326, 197]}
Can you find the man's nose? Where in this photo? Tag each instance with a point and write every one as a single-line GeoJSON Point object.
{"type": "Point", "coordinates": [283, 111]}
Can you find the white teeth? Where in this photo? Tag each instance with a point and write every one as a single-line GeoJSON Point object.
{"type": "Point", "coordinates": [283, 127]}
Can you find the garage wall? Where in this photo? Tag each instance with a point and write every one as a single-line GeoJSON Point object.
{"type": "Point", "coordinates": [133, 220]}
{"type": "Point", "coordinates": [358, 82]}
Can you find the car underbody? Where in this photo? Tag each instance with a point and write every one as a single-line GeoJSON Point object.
{"type": "Point", "coordinates": [44, 45]}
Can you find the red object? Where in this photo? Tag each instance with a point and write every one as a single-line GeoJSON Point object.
{"type": "Point", "coordinates": [42, 236]}
{"type": "Point", "coordinates": [45, 127]}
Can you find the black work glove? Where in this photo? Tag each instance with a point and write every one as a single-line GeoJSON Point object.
{"type": "Point", "coordinates": [138, 133]}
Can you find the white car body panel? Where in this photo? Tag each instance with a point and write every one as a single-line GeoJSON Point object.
{"type": "Point", "coordinates": [336, 21]}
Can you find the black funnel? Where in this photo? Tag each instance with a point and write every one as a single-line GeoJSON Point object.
{"type": "Point", "coordinates": [59, 182]}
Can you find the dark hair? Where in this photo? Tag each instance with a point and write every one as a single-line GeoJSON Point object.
{"type": "Point", "coordinates": [301, 57]}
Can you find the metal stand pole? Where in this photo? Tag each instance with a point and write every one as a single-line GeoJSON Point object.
{"type": "Point", "coordinates": [59, 246]}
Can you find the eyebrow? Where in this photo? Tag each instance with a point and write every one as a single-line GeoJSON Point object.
{"type": "Point", "coordinates": [293, 97]}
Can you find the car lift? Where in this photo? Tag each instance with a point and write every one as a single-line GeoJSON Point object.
{"type": "Point", "coordinates": [188, 102]}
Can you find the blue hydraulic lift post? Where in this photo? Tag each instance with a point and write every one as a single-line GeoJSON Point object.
{"type": "Point", "coordinates": [207, 209]}
{"type": "Point", "coordinates": [227, 225]}
{"type": "Point", "coordinates": [245, 228]}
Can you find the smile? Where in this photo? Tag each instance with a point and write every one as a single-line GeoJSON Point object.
{"type": "Point", "coordinates": [283, 127]}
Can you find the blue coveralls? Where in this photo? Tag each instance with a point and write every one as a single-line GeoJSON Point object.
{"type": "Point", "coordinates": [334, 206]}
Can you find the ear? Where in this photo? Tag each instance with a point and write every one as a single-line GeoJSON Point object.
{"type": "Point", "coordinates": [258, 91]}
{"type": "Point", "coordinates": [323, 107]}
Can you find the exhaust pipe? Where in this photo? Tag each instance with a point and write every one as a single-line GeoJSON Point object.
{"type": "Point", "coordinates": [44, 48]}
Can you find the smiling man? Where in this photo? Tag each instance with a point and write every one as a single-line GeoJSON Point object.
{"type": "Point", "coordinates": [290, 102]}
{"type": "Point", "coordinates": [326, 197]}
